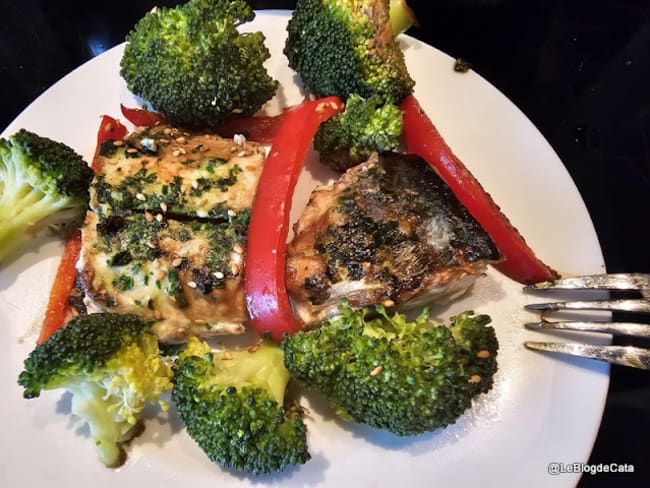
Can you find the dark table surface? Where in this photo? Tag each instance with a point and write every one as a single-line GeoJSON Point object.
{"type": "Point", "coordinates": [579, 69]}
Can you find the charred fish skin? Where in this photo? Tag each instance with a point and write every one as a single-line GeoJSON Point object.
{"type": "Point", "coordinates": [388, 231]}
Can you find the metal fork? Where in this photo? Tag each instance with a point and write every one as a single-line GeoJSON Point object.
{"type": "Point", "coordinates": [636, 357]}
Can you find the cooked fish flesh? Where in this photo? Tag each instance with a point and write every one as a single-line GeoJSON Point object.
{"type": "Point", "coordinates": [165, 235]}
{"type": "Point", "coordinates": [388, 231]}
{"type": "Point", "coordinates": [187, 276]}
{"type": "Point", "coordinates": [194, 175]}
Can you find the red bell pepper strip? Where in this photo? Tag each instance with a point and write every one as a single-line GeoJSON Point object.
{"type": "Point", "coordinates": [421, 137]}
{"type": "Point", "coordinates": [64, 281]}
{"type": "Point", "coordinates": [141, 117]}
{"type": "Point", "coordinates": [259, 128]}
{"type": "Point", "coordinates": [266, 294]}
{"type": "Point", "coordinates": [109, 128]}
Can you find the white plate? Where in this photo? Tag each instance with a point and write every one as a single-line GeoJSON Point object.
{"type": "Point", "coordinates": [541, 410]}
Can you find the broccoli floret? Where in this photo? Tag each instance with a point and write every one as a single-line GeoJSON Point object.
{"type": "Point", "coordinates": [341, 47]}
{"type": "Point", "coordinates": [404, 377]}
{"type": "Point", "coordinates": [194, 67]}
{"type": "Point", "coordinates": [232, 406]}
{"type": "Point", "coordinates": [366, 126]}
{"type": "Point", "coordinates": [112, 365]}
{"type": "Point", "coordinates": [43, 183]}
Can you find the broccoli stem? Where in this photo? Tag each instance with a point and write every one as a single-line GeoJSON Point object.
{"type": "Point", "coordinates": [25, 213]}
{"type": "Point", "coordinates": [401, 16]}
{"type": "Point", "coordinates": [88, 402]}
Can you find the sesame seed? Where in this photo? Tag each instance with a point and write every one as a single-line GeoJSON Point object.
{"type": "Point", "coordinates": [377, 370]}
{"type": "Point", "coordinates": [218, 275]}
{"type": "Point", "coordinates": [148, 217]}
{"type": "Point", "coordinates": [177, 262]}
{"type": "Point", "coordinates": [140, 197]}
{"type": "Point", "coordinates": [241, 154]}
{"type": "Point", "coordinates": [195, 184]}
{"type": "Point", "coordinates": [159, 217]}
{"type": "Point", "coordinates": [254, 348]}
{"type": "Point", "coordinates": [474, 379]}
{"type": "Point", "coordinates": [179, 151]}
{"type": "Point", "coordinates": [231, 213]}
{"type": "Point", "coordinates": [151, 245]}
{"type": "Point", "coordinates": [118, 143]}
{"type": "Point", "coordinates": [162, 140]}
{"type": "Point", "coordinates": [483, 354]}
{"type": "Point", "coordinates": [226, 355]}
{"type": "Point", "coordinates": [181, 140]}
{"type": "Point", "coordinates": [163, 206]}
{"type": "Point", "coordinates": [236, 258]}
{"type": "Point", "coordinates": [191, 284]}
{"type": "Point", "coordinates": [167, 131]}
{"type": "Point", "coordinates": [132, 150]}
{"type": "Point", "coordinates": [234, 269]}
{"type": "Point", "coordinates": [239, 139]}
{"type": "Point", "coordinates": [388, 303]}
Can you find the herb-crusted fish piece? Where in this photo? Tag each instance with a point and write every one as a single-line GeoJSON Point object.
{"type": "Point", "coordinates": [388, 231]}
{"type": "Point", "coordinates": [166, 232]}
{"type": "Point", "coordinates": [183, 173]}
{"type": "Point", "coordinates": [184, 275]}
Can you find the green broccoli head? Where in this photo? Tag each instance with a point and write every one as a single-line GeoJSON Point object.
{"type": "Point", "coordinates": [341, 47]}
{"type": "Point", "coordinates": [407, 377]}
{"type": "Point", "coordinates": [43, 183]}
{"type": "Point", "coordinates": [232, 406]}
{"type": "Point", "coordinates": [367, 126]}
{"type": "Point", "coordinates": [475, 340]}
{"type": "Point", "coordinates": [112, 365]}
{"type": "Point", "coordinates": [194, 67]}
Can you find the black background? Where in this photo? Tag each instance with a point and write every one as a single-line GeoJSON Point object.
{"type": "Point", "coordinates": [580, 71]}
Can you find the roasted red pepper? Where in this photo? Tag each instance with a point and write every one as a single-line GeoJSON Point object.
{"type": "Point", "coordinates": [141, 117]}
{"type": "Point", "coordinates": [421, 137]}
{"type": "Point", "coordinates": [64, 282]}
{"type": "Point", "coordinates": [259, 128]}
{"type": "Point", "coordinates": [109, 128]}
{"type": "Point", "coordinates": [266, 294]}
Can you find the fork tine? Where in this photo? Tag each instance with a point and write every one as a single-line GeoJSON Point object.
{"type": "Point", "coordinates": [622, 305]}
{"type": "Point", "coordinates": [612, 281]}
{"type": "Point", "coordinates": [621, 355]}
{"type": "Point", "coordinates": [615, 328]}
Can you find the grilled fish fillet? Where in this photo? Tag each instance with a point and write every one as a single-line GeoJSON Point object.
{"type": "Point", "coordinates": [177, 172]}
{"type": "Point", "coordinates": [165, 235]}
{"type": "Point", "coordinates": [388, 231]}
